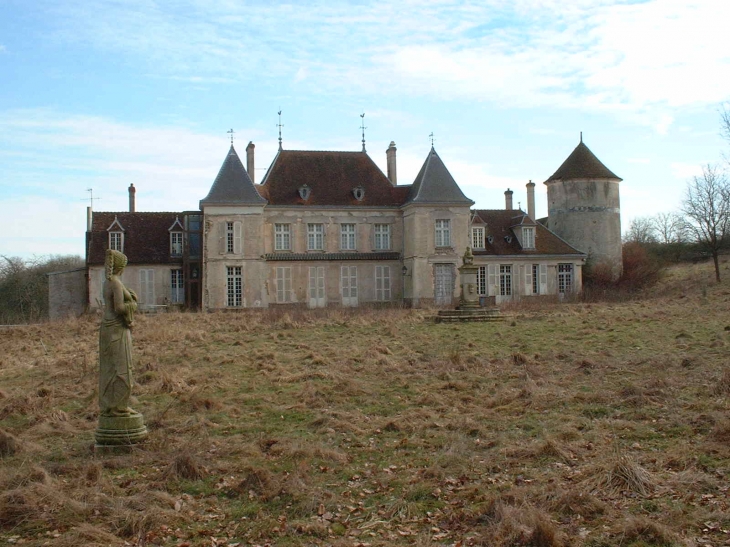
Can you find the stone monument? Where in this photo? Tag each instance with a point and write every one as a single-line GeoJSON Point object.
{"type": "Point", "coordinates": [469, 308]}
{"type": "Point", "coordinates": [118, 424]}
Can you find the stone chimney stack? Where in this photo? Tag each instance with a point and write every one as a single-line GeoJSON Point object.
{"type": "Point", "coordinates": [249, 161]}
{"type": "Point", "coordinates": [390, 155]}
{"type": "Point", "coordinates": [132, 200]}
{"type": "Point", "coordinates": [508, 199]}
{"type": "Point", "coordinates": [531, 200]}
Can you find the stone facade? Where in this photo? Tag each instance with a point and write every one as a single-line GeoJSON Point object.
{"type": "Point", "coordinates": [330, 229]}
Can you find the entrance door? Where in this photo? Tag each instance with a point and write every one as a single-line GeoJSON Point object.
{"type": "Point", "coordinates": [443, 284]}
{"type": "Point", "coordinates": [349, 285]}
{"type": "Point", "coordinates": [316, 287]}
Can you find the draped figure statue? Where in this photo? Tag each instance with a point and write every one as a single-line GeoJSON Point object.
{"type": "Point", "coordinates": [118, 423]}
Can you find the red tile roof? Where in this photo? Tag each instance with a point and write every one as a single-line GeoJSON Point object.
{"type": "Point", "coordinates": [146, 237]}
{"type": "Point", "coordinates": [499, 223]}
{"type": "Point", "coordinates": [332, 177]}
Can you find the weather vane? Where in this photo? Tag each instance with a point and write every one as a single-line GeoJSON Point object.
{"type": "Point", "coordinates": [362, 126]}
{"type": "Point", "coordinates": [431, 137]}
{"type": "Point", "coordinates": [279, 126]}
{"type": "Point", "coordinates": [231, 132]}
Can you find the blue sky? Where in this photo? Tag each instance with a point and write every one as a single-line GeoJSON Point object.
{"type": "Point", "coordinates": [101, 94]}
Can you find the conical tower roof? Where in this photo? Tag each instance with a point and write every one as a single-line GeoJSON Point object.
{"type": "Point", "coordinates": [434, 184]}
{"type": "Point", "coordinates": [582, 164]}
{"type": "Point", "coordinates": [232, 186]}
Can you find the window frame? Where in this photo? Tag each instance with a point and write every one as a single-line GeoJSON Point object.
{"type": "Point", "coordinates": [315, 236]}
{"type": "Point", "coordinates": [442, 233]}
{"type": "Point", "coordinates": [383, 293]}
{"type": "Point", "coordinates": [348, 236]}
{"type": "Point", "coordinates": [282, 237]}
{"type": "Point", "coordinates": [283, 285]}
{"type": "Point", "coordinates": [173, 244]}
{"type": "Point", "coordinates": [116, 235]}
{"type": "Point", "coordinates": [528, 237]}
{"type": "Point", "coordinates": [505, 280]}
{"type": "Point", "coordinates": [234, 286]}
{"type": "Point", "coordinates": [177, 286]}
{"type": "Point", "coordinates": [482, 289]}
{"type": "Point", "coordinates": [381, 237]}
{"type": "Point", "coordinates": [565, 272]}
{"type": "Point", "coordinates": [475, 229]}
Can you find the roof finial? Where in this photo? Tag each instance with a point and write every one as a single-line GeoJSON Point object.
{"type": "Point", "coordinates": [431, 137]}
{"type": "Point", "coordinates": [231, 132]}
{"type": "Point", "coordinates": [279, 126]}
{"type": "Point", "coordinates": [581, 136]}
{"type": "Point", "coordinates": [362, 126]}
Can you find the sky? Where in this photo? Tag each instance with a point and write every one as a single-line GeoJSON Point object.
{"type": "Point", "coordinates": [99, 94]}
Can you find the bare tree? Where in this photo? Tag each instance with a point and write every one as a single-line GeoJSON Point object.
{"type": "Point", "coordinates": [641, 230]}
{"type": "Point", "coordinates": [706, 208]}
{"type": "Point", "coordinates": [669, 228]}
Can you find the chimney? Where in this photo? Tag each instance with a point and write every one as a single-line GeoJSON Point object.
{"type": "Point", "coordinates": [531, 200]}
{"type": "Point", "coordinates": [508, 199]}
{"type": "Point", "coordinates": [249, 160]}
{"type": "Point", "coordinates": [88, 219]}
{"type": "Point", "coordinates": [132, 201]}
{"type": "Point", "coordinates": [390, 155]}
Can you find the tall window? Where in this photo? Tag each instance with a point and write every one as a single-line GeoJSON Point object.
{"type": "Point", "coordinates": [177, 292]}
{"type": "Point", "coordinates": [315, 237]}
{"type": "Point", "coordinates": [443, 233]}
{"type": "Point", "coordinates": [382, 283]}
{"type": "Point", "coordinates": [282, 237]}
{"type": "Point", "coordinates": [382, 237]}
{"type": "Point", "coordinates": [147, 287]}
{"type": "Point", "coordinates": [477, 237]}
{"type": "Point", "coordinates": [565, 278]}
{"type": "Point", "coordinates": [505, 279]}
{"type": "Point", "coordinates": [482, 281]}
{"type": "Point", "coordinates": [347, 237]}
{"type": "Point", "coordinates": [116, 241]}
{"type": "Point", "coordinates": [283, 284]}
{"type": "Point", "coordinates": [234, 286]}
{"type": "Point", "coordinates": [528, 238]}
{"type": "Point", "coordinates": [176, 243]}
{"type": "Point", "coordinates": [535, 279]}
{"type": "Point", "coordinates": [229, 237]}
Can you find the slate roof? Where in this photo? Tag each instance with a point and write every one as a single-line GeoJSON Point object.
{"type": "Point", "coordinates": [146, 237]}
{"type": "Point", "coordinates": [499, 223]}
{"type": "Point", "coordinates": [232, 186]}
{"type": "Point", "coordinates": [331, 177]}
{"type": "Point", "coordinates": [333, 256]}
{"type": "Point", "coordinates": [434, 184]}
{"type": "Point", "coordinates": [582, 164]}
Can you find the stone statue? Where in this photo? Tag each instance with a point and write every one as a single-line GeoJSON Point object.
{"type": "Point", "coordinates": [118, 423]}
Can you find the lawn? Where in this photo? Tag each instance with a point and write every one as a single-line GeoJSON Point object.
{"type": "Point", "coordinates": [565, 424]}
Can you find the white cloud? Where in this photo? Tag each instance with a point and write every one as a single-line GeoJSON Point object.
{"type": "Point", "coordinates": [684, 170]}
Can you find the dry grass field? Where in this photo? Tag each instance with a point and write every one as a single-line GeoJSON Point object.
{"type": "Point", "coordinates": [565, 424]}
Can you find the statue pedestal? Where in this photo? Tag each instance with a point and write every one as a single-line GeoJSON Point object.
{"type": "Point", "coordinates": [120, 430]}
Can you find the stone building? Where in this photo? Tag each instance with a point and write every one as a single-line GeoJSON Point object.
{"type": "Point", "coordinates": [584, 207]}
{"type": "Point", "coordinates": [326, 228]}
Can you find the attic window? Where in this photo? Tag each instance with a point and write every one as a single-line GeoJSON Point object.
{"type": "Point", "coordinates": [508, 239]}
{"type": "Point", "coordinates": [490, 239]}
{"type": "Point", "coordinates": [528, 238]}
{"type": "Point", "coordinates": [304, 192]}
{"type": "Point", "coordinates": [359, 193]}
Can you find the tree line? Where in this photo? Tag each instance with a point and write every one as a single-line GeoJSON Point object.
{"type": "Point", "coordinates": [701, 227]}
{"type": "Point", "coordinates": [24, 286]}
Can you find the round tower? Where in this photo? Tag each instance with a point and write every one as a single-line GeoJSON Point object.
{"type": "Point", "coordinates": [584, 207]}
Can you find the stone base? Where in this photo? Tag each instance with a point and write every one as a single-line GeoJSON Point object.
{"type": "Point", "coordinates": [468, 315]}
{"type": "Point", "coordinates": [120, 430]}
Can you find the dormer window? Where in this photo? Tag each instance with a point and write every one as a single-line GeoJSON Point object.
{"type": "Point", "coordinates": [359, 193]}
{"type": "Point", "coordinates": [477, 237]}
{"type": "Point", "coordinates": [304, 192]}
{"type": "Point", "coordinates": [528, 237]}
{"type": "Point", "coordinates": [116, 241]}
{"type": "Point", "coordinates": [116, 236]}
{"type": "Point", "coordinates": [490, 239]}
{"type": "Point", "coordinates": [176, 243]}
{"type": "Point", "coordinates": [508, 239]}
